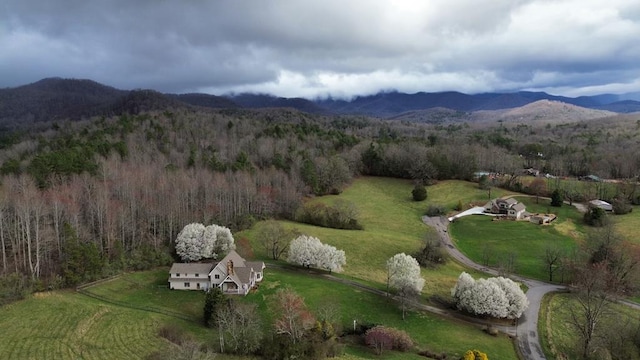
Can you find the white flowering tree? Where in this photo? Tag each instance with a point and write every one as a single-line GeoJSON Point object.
{"type": "Point", "coordinates": [304, 250]}
{"type": "Point", "coordinates": [403, 275]}
{"type": "Point", "coordinates": [330, 258]}
{"type": "Point", "coordinates": [196, 242]}
{"type": "Point", "coordinates": [516, 298]}
{"type": "Point", "coordinates": [220, 240]}
{"type": "Point", "coordinates": [189, 244]}
{"type": "Point", "coordinates": [498, 297]}
{"type": "Point", "coordinates": [309, 251]}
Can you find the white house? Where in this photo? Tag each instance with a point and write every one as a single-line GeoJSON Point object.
{"type": "Point", "coordinates": [233, 274]}
{"type": "Point", "coordinates": [509, 207]}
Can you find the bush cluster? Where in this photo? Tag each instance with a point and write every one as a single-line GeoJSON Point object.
{"type": "Point", "coordinates": [320, 214]}
{"type": "Point", "coordinates": [385, 338]}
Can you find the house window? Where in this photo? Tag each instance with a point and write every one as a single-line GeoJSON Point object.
{"type": "Point", "coordinates": [177, 274]}
{"type": "Point", "coordinates": [187, 284]}
{"type": "Point", "coordinates": [197, 275]}
{"type": "Point", "coordinates": [217, 276]}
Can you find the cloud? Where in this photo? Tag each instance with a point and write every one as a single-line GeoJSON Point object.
{"type": "Point", "coordinates": [338, 48]}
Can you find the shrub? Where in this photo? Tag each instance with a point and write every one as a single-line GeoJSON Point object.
{"type": "Point", "coordinates": [173, 333]}
{"type": "Point", "coordinates": [342, 215]}
{"type": "Point", "coordinates": [384, 338]}
{"type": "Point", "coordinates": [419, 193]}
{"type": "Point", "coordinates": [621, 206]}
{"type": "Point", "coordinates": [435, 210]}
{"type": "Point", "coordinates": [595, 216]}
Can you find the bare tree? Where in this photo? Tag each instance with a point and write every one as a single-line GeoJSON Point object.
{"type": "Point", "coordinates": [275, 238]}
{"type": "Point", "coordinates": [294, 319]}
{"type": "Point", "coordinates": [593, 304]}
{"type": "Point", "coordinates": [552, 259]}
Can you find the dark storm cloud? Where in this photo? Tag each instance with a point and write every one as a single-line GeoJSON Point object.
{"type": "Point", "coordinates": [311, 48]}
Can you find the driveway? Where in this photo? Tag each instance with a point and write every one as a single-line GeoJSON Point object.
{"type": "Point", "coordinates": [527, 326]}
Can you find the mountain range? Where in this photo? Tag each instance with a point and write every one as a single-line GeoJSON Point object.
{"type": "Point", "coordinates": [54, 99]}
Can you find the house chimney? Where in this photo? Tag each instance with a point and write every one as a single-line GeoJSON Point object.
{"type": "Point", "coordinates": [230, 267]}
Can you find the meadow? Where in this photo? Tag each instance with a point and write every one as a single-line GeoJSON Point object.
{"type": "Point", "coordinates": [67, 324]}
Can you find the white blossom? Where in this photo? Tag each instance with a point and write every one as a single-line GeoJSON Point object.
{"type": "Point", "coordinates": [196, 242]}
{"type": "Point", "coordinates": [331, 258]}
{"type": "Point", "coordinates": [304, 250]}
{"type": "Point", "coordinates": [189, 245]}
{"type": "Point", "coordinates": [498, 297]}
{"type": "Point", "coordinates": [309, 251]}
{"type": "Point", "coordinates": [404, 273]}
{"type": "Point", "coordinates": [516, 298]}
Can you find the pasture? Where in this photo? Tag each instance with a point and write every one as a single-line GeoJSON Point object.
{"type": "Point", "coordinates": [69, 325]}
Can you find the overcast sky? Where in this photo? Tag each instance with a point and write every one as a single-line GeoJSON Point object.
{"type": "Point", "coordinates": [340, 48]}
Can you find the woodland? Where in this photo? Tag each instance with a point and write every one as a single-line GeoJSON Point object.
{"type": "Point", "coordinates": [81, 200]}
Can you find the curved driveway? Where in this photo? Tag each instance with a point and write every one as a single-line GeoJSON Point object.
{"type": "Point", "coordinates": [527, 326]}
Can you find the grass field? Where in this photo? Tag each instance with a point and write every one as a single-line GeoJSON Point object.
{"type": "Point", "coordinates": [392, 224]}
{"type": "Point", "coordinates": [558, 335]}
{"type": "Point", "coordinates": [69, 325]}
{"type": "Point", "coordinates": [484, 240]}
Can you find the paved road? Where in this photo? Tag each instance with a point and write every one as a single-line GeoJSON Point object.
{"type": "Point", "coordinates": [527, 326]}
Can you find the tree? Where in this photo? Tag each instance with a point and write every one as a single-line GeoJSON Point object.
{"type": "Point", "coordinates": [189, 244]}
{"type": "Point", "coordinates": [497, 297]}
{"type": "Point", "coordinates": [213, 300]}
{"type": "Point", "coordinates": [432, 253]}
{"type": "Point", "coordinates": [556, 198]}
{"type": "Point", "coordinates": [81, 261]}
{"type": "Point", "coordinates": [274, 238]}
{"type": "Point", "coordinates": [308, 251]}
{"type": "Point", "coordinates": [593, 303]}
{"type": "Point", "coordinates": [403, 275]}
{"type": "Point", "coordinates": [419, 192]}
{"type": "Point", "coordinates": [196, 242]}
{"type": "Point", "coordinates": [537, 187]}
{"type": "Point", "coordinates": [330, 258]}
{"type": "Point", "coordinates": [220, 239]}
{"type": "Point", "coordinates": [304, 250]}
{"type": "Point", "coordinates": [516, 298]}
{"type": "Point", "coordinates": [552, 259]}
{"type": "Point", "coordinates": [293, 318]}
{"type": "Point", "coordinates": [240, 326]}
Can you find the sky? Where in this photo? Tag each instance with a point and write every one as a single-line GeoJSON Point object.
{"type": "Point", "coordinates": [337, 48]}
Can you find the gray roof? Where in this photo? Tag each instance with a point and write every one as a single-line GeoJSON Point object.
{"type": "Point", "coordinates": [191, 268]}
{"type": "Point", "coordinates": [518, 207]}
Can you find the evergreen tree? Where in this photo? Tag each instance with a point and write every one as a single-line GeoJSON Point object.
{"type": "Point", "coordinates": [213, 301]}
{"type": "Point", "coordinates": [556, 198]}
{"type": "Point", "coordinates": [419, 193]}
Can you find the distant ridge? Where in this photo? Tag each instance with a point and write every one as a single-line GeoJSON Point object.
{"type": "Point", "coordinates": [55, 99]}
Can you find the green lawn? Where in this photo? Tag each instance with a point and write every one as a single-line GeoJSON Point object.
{"type": "Point", "coordinates": [627, 225]}
{"type": "Point", "coordinates": [484, 240]}
{"type": "Point", "coordinates": [69, 325]}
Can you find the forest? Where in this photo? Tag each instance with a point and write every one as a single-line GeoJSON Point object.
{"type": "Point", "coordinates": [85, 199]}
